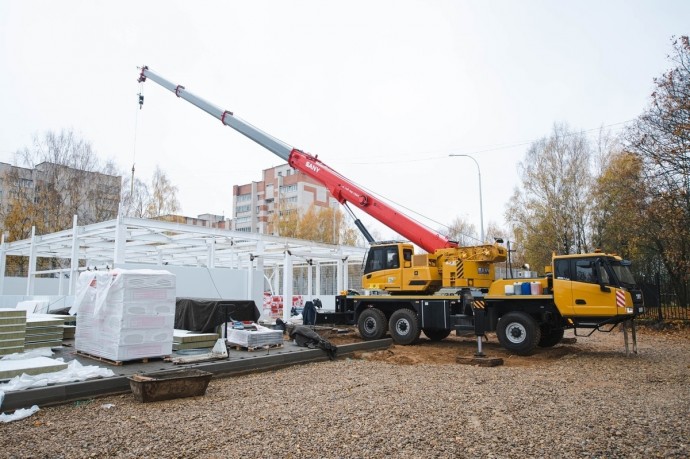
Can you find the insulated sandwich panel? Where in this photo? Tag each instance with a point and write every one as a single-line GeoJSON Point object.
{"type": "Point", "coordinates": [34, 366]}
{"type": "Point", "coordinates": [12, 330]}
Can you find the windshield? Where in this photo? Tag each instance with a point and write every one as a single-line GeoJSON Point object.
{"type": "Point", "coordinates": [622, 271]}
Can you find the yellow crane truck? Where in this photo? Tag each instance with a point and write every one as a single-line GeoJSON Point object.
{"type": "Point", "coordinates": [450, 288]}
{"type": "Point", "coordinates": [590, 291]}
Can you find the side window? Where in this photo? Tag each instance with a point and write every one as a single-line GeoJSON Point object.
{"type": "Point", "coordinates": [407, 257]}
{"type": "Point", "coordinates": [602, 271]}
{"type": "Point", "coordinates": [585, 272]}
{"type": "Point", "coordinates": [562, 269]}
{"type": "Point", "coordinates": [392, 261]}
{"type": "Point", "coordinates": [604, 276]}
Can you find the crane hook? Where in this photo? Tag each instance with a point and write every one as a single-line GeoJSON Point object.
{"type": "Point", "coordinates": [141, 100]}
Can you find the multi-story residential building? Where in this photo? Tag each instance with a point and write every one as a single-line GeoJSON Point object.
{"type": "Point", "coordinates": [282, 189]}
{"type": "Point", "coordinates": [94, 196]}
{"type": "Point", "coordinates": [206, 220]}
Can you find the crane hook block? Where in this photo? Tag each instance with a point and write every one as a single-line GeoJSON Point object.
{"type": "Point", "coordinates": [141, 100]}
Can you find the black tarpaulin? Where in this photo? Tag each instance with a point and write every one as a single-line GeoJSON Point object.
{"type": "Point", "coordinates": [204, 315]}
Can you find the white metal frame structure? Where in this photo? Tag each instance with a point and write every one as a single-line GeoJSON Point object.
{"type": "Point", "coordinates": [158, 243]}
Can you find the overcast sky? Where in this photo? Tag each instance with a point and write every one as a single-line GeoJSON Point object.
{"type": "Point", "coordinates": [382, 91]}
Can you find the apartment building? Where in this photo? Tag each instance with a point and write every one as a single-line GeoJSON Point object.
{"type": "Point", "coordinates": [281, 190]}
{"type": "Point", "coordinates": [95, 197]}
{"type": "Point", "coordinates": [205, 220]}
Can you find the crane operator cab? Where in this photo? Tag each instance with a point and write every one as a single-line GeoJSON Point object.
{"type": "Point", "coordinates": [454, 268]}
{"type": "Point", "coordinates": [383, 269]}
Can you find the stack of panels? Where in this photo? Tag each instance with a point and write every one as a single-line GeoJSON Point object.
{"type": "Point", "coordinates": [69, 324]}
{"type": "Point", "coordinates": [126, 314]}
{"type": "Point", "coordinates": [12, 330]}
{"type": "Point", "coordinates": [253, 339]}
{"type": "Point", "coordinates": [183, 339]}
{"type": "Point", "coordinates": [43, 331]}
{"type": "Point", "coordinates": [69, 332]}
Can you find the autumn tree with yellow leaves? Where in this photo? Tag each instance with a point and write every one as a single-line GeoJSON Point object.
{"type": "Point", "coordinates": [318, 224]}
{"type": "Point", "coordinates": [660, 141]}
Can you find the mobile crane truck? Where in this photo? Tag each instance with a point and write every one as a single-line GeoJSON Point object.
{"type": "Point", "coordinates": [452, 288]}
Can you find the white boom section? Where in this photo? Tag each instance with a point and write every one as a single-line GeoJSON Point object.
{"type": "Point", "coordinates": [267, 141]}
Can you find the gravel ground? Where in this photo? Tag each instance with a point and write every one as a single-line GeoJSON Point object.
{"type": "Point", "coordinates": [578, 400]}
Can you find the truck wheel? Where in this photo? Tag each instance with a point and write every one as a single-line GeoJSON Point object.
{"type": "Point", "coordinates": [550, 337]}
{"type": "Point", "coordinates": [436, 335]}
{"type": "Point", "coordinates": [372, 324]}
{"type": "Point", "coordinates": [404, 327]}
{"type": "Point", "coordinates": [518, 332]}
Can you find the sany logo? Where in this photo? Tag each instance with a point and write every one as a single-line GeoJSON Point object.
{"type": "Point", "coordinates": [313, 166]}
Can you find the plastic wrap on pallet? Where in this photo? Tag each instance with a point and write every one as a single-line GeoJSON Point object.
{"type": "Point", "coordinates": [125, 314]}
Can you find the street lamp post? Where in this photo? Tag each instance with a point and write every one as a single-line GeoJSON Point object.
{"type": "Point", "coordinates": [481, 206]}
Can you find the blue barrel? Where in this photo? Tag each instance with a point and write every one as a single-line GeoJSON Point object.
{"type": "Point", "coordinates": [525, 288]}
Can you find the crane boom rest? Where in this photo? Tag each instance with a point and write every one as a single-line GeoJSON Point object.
{"type": "Point", "coordinates": [445, 265]}
{"type": "Point", "coordinates": [453, 288]}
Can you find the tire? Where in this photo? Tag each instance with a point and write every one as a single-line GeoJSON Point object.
{"type": "Point", "coordinates": [404, 327]}
{"type": "Point", "coordinates": [550, 337]}
{"type": "Point", "coordinates": [436, 335]}
{"type": "Point", "coordinates": [518, 332]}
{"type": "Point", "coordinates": [372, 324]}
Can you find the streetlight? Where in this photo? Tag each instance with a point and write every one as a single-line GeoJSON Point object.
{"type": "Point", "coordinates": [481, 206]}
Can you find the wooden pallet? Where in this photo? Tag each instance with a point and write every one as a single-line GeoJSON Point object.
{"type": "Point", "coordinates": [119, 362]}
{"type": "Point", "coordinates": [237, 347]}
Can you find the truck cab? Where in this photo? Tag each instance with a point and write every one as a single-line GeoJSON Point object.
{"type": "Point", "coordinates": [594, 285]}
{"type": "Point", "coordinates": [594, 291]}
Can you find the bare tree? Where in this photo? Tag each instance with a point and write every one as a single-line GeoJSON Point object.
{"type": "Point", "coordinates": [550, 211]}
{"type": "Point", "coordinates": [163, 198]}
{"type": "Point", "coordinates": [57, 177]}
{"type": "Point", "coordinates": [69, 179]}
{"type": "Point", "coordinates": [135, 198]}
{"type": "Point", "coordinates": [463, 232]}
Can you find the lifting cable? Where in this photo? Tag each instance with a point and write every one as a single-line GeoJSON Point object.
{"type": "Point", "coordinates": [140, 97]}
